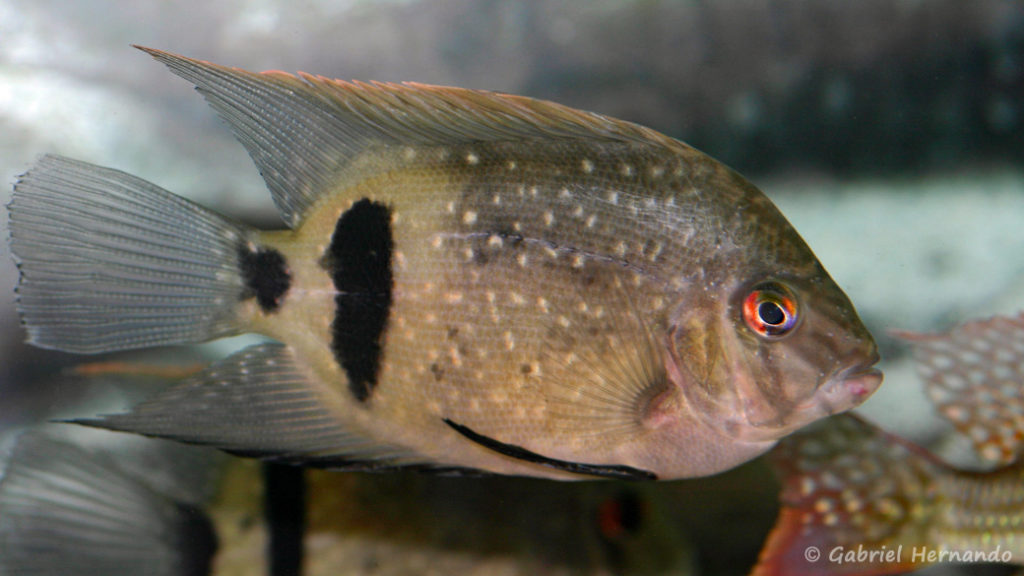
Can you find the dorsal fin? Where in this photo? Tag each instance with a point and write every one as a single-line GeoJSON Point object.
{"type": "Point", "coordinates": [302, 130]}
{"type": "Point", "coordinates": [974, 375]}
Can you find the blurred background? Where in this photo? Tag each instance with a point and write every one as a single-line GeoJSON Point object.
{"type": "Point", "coordinates": [889, 132]}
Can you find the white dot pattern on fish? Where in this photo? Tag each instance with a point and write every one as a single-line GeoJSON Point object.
{"type": "Point", "coordinates": [536, 227]}
{"type": "Point", "coordinates": [861, 488]}
{"type": "Point", "coordinates": [975, 376]}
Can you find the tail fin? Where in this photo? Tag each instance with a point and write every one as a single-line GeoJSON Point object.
{"type": "Point", "coordinates": [68, 510]}
{"type": "Point", "coordinates": [111, 262]}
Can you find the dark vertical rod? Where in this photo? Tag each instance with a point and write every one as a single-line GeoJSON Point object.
{"type": "Point", "coordinates": [284, 506]}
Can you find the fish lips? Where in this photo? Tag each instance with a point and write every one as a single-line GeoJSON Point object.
{"type": "Point", "coordinates": [850, 388]}
{"type": "Point", "coordinates": [843, 391]}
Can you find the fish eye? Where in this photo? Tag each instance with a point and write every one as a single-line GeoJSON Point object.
{"type": "Point", "coordinates": [770, 310]}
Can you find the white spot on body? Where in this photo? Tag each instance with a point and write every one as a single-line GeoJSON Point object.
{"type": "Point", "coordinates": [549, 218]}
{"type": "Point", "coordinates": [657, 171]}
{"type": "Point", "coordinates": [510, 341]}
{"type": "Point", "coordinates": [409, 153]}
{"type": "Point", "coordinates": [564, 194]}
{"type": "Point", "coordinates": [626, 170]}
{"type": "Point", "coordinates": [587, 166]}
{"type": "Point", "coordinates": [511, 165]}
{"type": "Point", "coordinates": [472, 159]}
{"type": "Point", "coordinates": [542, 303]}
{"type": "Point", "coordinates": [495, 241]}
{"type": "Point", "coordinates": [591, 220]}
{"type": "Point", "coordinates": [613, 197]}
{"type": "Point", "coordinates": [469, 217]}
{"type": "Point", "coordinates": [455, 357]}
{"type": "Point", "coordinates": [522, 260]}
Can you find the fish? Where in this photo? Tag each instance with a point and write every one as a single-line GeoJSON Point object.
{"type": "Point", "coordinates": [73, 509]}
{"type": "Point", "coordinates": [973, 374]}
{"type": "Point", "coordinates": [67, 507]}
{"type": "Point", "coordinates": [468, 282]}
{"type": "Point", "coordinates": [857, 500]}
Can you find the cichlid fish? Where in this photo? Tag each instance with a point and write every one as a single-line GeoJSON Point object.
{"type": "Point", "coordinates": [871, 503]}
{"type": "Point", "coordinates": [469, 280]}
{"type": "Point", "coordinates": [74, 509]}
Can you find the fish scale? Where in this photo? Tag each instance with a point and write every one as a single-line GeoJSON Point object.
{"type": "Point", "coordinates": [469, 280]}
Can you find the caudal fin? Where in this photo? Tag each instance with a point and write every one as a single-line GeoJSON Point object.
{"type": "Point", "coordinates": [974, 374]}
{"type": "Point", "coordinates": [111, 262]}
{"type": "Point", "coordinates": [69, 510]}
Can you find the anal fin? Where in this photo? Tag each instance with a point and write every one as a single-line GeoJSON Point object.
{"type": "Point", "coordinates": [257, 403]}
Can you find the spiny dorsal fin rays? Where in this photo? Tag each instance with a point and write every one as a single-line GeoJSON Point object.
{"type": "Point", "coordinates": [303, 130]}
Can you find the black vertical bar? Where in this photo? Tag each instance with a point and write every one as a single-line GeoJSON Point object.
{"type": "Point", "coordinates": [284, 505]}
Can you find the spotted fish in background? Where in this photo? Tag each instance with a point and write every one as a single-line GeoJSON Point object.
{"type": "Point", "coordinates": [848, 485]}
{"type": "Point", "coordinates": [470, 280]}
{"type": "Point", "coordinates": [974, 374]}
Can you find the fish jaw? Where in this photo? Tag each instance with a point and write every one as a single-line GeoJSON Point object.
{"type": "Point", "coordinates": [749, 417]}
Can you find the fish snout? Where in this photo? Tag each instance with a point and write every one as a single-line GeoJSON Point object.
{"type": "Point", "coordinates": [850, 387]}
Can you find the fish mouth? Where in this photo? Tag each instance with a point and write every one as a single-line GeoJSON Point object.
{"type": "Point", "coordinates": [851, 387]}
{"type": "Point", "coordinates": [844, 391]}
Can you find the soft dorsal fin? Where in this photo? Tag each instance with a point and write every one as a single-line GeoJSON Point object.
{"type": "Point", "coordinates": [302, 130]}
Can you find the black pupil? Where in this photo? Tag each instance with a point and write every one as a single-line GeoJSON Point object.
{"type": "Point", "coordinates": [771, 313]}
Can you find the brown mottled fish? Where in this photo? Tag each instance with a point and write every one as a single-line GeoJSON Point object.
{"type": "Point", "coordinates": [469, 280]}
{"type": "Point", "coordinates": [868, 502]}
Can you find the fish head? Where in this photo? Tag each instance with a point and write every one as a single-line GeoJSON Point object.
{"type": "Point", "coordinates": [767, 354]}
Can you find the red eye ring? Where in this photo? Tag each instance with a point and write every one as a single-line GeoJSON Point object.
{"type": "Point", "coordinates": [770, 310]}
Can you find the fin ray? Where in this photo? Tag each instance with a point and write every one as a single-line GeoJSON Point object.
{"type": "Point", "coordinates": [846, 484]}
{"type": "Point", "coordinates": [258, 403]}
{"type": "Point", "coordinates": [68, 510]}
{"type": "Point", "coordinates": [302, 130]}
{"type": "Point", "coordinates": [108, 261]}
{"type": "Point", "coordinates": [973, 374]}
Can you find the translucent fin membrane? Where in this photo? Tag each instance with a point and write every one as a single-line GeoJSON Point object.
{"type": "Point", "coordinates": [71, 511]}
{"type": "Point", "coordinates": [111, 262]}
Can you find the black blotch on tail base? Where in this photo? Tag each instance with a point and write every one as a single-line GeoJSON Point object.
{"type": "Point", "coordinates": [359, 262]}
{"type": "Point", "coordinates": [266, 276]}
{"type": "Point", "coordinates": [520, 453]}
